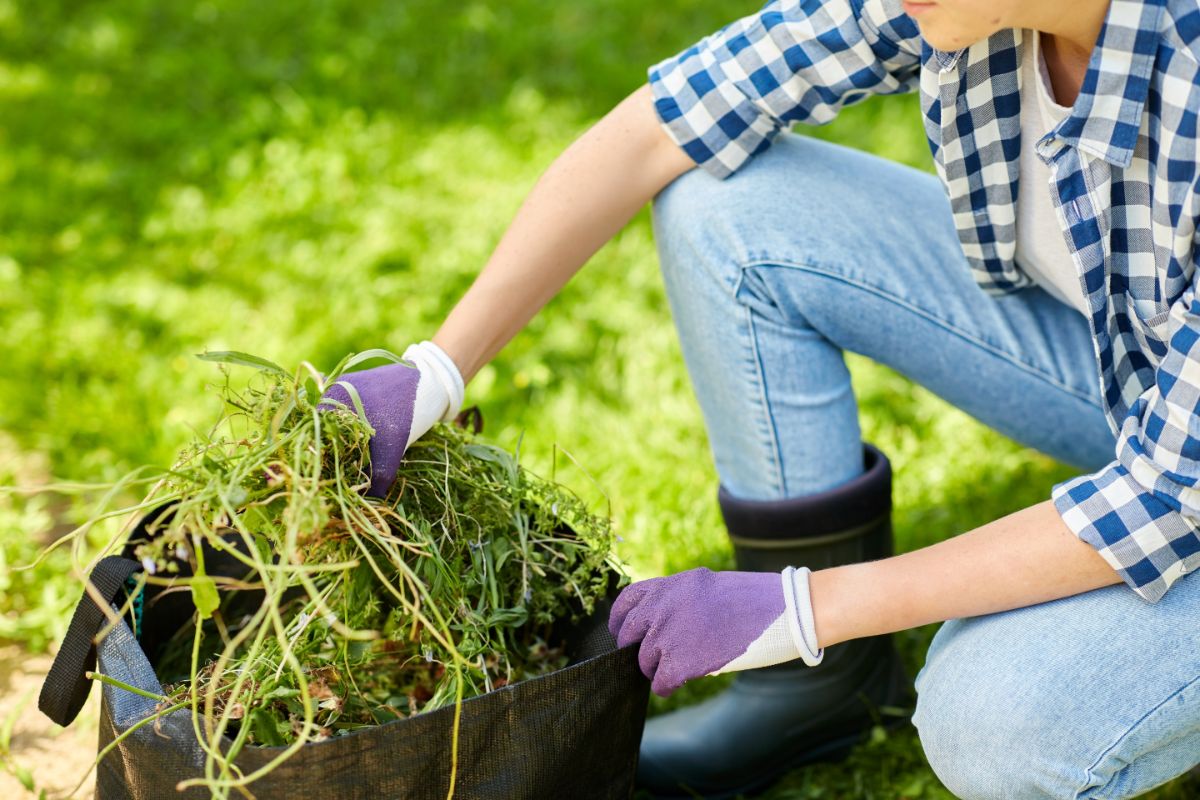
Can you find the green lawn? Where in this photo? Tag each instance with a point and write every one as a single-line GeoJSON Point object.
{"type": "Point", "coordinates": [303, 179]}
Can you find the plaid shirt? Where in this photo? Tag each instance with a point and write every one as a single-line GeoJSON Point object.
{"type": "Point", "coordinates": [1125, 187]}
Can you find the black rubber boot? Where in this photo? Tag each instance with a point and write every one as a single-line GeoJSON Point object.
{"type": "Point", "coordinates": [774, 719]}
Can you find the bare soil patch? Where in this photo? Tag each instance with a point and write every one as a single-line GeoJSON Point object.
{"type": "Point", "coordinates": [57, 757]}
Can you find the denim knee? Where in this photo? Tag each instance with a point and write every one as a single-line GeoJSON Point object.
{"type": "Point", "coordinates": [1008, 705]}
{"type": "Point", "coordinates": [694, 234]}
{"type": "Point", "coordinates": [991, 729]}
{"type": "Point", "coordinates": [975, 745]}
{"type": "Point", "coordinates": [792, 197]}
{"type": "Point", "coordinates": [981, 748]}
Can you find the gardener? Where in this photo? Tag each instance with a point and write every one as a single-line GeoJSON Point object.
{"type": "Point", "coordinates": [1045, 285]}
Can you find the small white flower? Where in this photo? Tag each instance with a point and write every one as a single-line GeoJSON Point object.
{"type": "Point", "coordinates": [149, 566]}
{"type": "Point", "coordinates": [302, 620]}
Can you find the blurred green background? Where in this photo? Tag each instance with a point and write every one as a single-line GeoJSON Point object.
{"type": "Point", "coordinates": [304, 179]}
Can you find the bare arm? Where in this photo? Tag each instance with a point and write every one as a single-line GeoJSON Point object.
{"type": "Point", "coordinates": [1026, 558]}
{"type": "Point", "coordinates": [586, 196]}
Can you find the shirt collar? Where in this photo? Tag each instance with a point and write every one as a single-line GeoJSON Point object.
{"type": "Point", "coordinates": [1108, 112]}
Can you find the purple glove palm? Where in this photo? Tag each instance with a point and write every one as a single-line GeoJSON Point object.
{"type": "Point", "coordinates": [401, 402]}
{"type": "Point", "coordinates": [702, 622]}
{"type": "Point", "coordinates": [389, 395]}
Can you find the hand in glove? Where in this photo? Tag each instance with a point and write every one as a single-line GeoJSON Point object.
{"type": "Point", "coordinates": [702, 622]}
{"type": "Point", "coordinates": [402, 402]}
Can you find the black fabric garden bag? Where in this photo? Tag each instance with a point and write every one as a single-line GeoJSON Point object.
{"type": "Point", "coordinates": [573, 733]}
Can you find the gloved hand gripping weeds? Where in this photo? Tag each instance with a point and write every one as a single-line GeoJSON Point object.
{"type": "Point", "coordinates": [401, 402]}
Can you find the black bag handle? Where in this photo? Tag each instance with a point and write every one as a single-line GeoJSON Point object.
{"type": "Point", "coordinates": [66, 687]}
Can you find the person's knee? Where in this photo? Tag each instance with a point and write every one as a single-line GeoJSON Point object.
{"type": "Point", "coordinates": [982, 747]}
{"type": "Point", "coordinates": [696, 201]}
{"type": "Point", "coordinates": [692, 229]}
{"type": "Point", "coordinates": [972, 746]}
{"type": "Point", "coordinates": [719, 225]}
{"type": "Point", "coordinates": [983, 742]}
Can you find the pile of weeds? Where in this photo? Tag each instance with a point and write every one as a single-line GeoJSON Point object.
{"type": "Point", "coordinates": [342, 610]}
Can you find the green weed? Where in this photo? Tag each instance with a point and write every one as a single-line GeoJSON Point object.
{"type": "Point", "coordinates": [306, 179]}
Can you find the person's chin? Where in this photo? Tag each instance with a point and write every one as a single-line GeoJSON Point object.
{"type": "Point", "coordinates": [946, 41]}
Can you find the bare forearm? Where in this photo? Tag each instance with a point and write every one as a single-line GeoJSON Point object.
{"type": "Point", "coordinates": [586, 196]}
{"type": "Point", "coordinates": [1026, 558]}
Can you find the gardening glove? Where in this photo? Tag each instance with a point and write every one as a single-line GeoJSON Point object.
{"type": "Point", "coordinates": [702, 622]}
{"type": "Point", "coordinates": [402, 402]}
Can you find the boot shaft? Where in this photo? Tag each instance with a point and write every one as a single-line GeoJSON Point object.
{"type": "Point", "coordinates": [848, 524]}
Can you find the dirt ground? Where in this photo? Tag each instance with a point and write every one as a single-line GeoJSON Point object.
{"type": "Point", "coordinates": [57, 757]}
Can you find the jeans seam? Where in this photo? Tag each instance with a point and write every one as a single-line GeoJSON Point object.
{"type": "Point", "coordinates": [771, 430]}
{"type": "Point", "coordinates": [1090, 773]}
{"type": "Point", "coordinates": [944, 324]}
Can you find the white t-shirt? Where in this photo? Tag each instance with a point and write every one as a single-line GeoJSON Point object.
{"type": "Point", "coordinates": [1041, 246]}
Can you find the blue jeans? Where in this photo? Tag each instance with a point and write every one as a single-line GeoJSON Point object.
{"type": "Point", "coordinates": [771, 275]}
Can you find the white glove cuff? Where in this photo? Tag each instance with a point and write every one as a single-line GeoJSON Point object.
{"type": "Point", "coordinates": [433, 362]}
{"type": "Point", "coordinates": [798, 598]}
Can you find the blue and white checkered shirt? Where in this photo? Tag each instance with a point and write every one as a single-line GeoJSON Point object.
{"type": "Point", "coordinates": [1125, 172]}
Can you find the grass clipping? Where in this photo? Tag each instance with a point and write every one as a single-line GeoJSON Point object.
{"type": "Point", "coordinates": [353, 611]}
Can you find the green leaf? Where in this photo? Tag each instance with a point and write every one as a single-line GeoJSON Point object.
{"type": "Point", "coordinates": [368, 355]}
{"type": "Point", "coordinates": [237, 496]}
{"type": "Point", "coordinates": [487, 452]}
{"type": "Point", "coordinates": [242, 360]}
{"type": "Point", "coordinates": [356, 400]}
{"type": "Point", "coordinates": [266, 729]}
{"type": "Point", "coordinates": [262, 544]}
{"type": "Point", "coordinates": [204, 595]}
{"type": "Point", "coordinates": [510, 617]}
{"type": "Point", "coordinates": [495, 455]}
{"type": "Point", "coordinates": [24, 776]}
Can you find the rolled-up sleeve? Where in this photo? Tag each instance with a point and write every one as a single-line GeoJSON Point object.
{"type": "Point", "coordinates": [1142, 511]}
{"type": "Point", "coordinates": [724, 99]}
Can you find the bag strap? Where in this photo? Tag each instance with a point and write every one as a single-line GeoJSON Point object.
{"type": "Point", "coordinates": [66, 687]}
